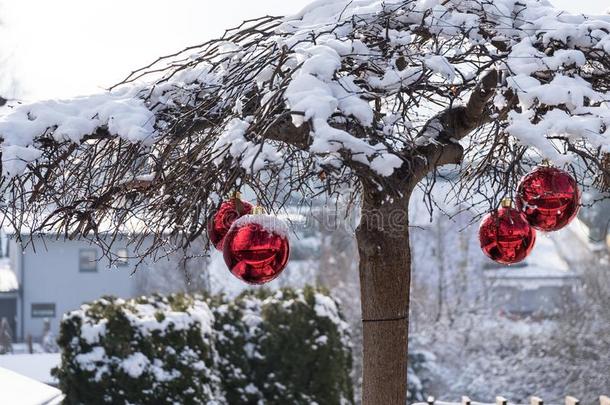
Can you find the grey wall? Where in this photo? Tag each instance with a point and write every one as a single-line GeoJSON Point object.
{"type": "Point", "coordinates": [52, 276]}
{"type": "Point", "coordinates": [542, 301]}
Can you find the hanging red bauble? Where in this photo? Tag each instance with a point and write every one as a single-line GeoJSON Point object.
{"type": "Point", "coordinates": [505, 235]}
{"type": "Point", "coordinates": [221, 222]}
{"type": "Point", "coordinates": [549, 197]}
{"type": "Point", "coordinates": [256, 249]}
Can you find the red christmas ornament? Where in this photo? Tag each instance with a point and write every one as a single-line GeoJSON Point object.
{"type": "Point", "coordinates": [505, 235]}
{"type": "Point", "coordinates": [549, 197]}
{"type": "Point", "coordinates": [221, 222]}
{"type": "Point", "coordinates": [256, 249]}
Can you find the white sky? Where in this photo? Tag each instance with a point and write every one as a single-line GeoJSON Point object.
{"type": "Point", "coordinates": [61, 48]}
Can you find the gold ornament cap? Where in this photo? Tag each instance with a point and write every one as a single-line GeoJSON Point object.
{"type": "Point", "coordinates": [507, 203]}
{"type": "Point", "coordinates": [258, 210]}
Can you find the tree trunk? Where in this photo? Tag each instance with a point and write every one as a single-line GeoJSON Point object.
{"type": "Point", "coordinates": [385, 276]}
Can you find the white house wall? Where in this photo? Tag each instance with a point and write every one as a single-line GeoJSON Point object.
{"type": "Point", "coordinates": [52, 276]}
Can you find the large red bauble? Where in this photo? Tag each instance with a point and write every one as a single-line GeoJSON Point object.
{"type": "Point", "coordinates": [506, 237]}
{"type": "Point", "coordinates": [256, 249]}
{"type": "Point", "coordinates": [549, 197]}
{"type": "Point", "coordinates": [221, 222]}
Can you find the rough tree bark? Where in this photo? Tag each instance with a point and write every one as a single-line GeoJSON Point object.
{"type": "Point", "coordinates": [385, 253]}
{"type": "Point", "coordinates": [385, 276]}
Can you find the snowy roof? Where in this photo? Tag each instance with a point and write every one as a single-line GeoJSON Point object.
{"type": "Point", "coordinates": [130, 227]}
{"type": "Point", "coordinates": [547, 262]}
{"type": "Point", "coordinates": [18, 389]}
{"type": "Point", "coordinates": [555, 256]}
{"type": "Point", "coordinates": [8, 279]}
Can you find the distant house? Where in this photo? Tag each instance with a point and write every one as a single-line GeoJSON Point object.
{"type": "Point", "coordinates": [9, 293]}
{"type": "Point", "coordinates": [540, 287]}
{"type": "Point", "coordinates": [597, 219]}
{"type": "Point", "coordinates": [51, 277]}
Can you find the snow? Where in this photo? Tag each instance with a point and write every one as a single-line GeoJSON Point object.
{"type": "Point", "coordinates": [90, 361]}
{"type": "Point", "coordinates": [18, 389]}
{"type": "Point", "coordinates": [35, 366]}
{"type": "Point", "coordinates": [314, 95]}
{"type": "Point", "coordinates": [253, 157]}
{"type": "Point", "coordinates": [394, 79]}
{"type": "Point", "coordinates": [439, 64]}
{"type": "Point", "coordinates": [135, 364]}
{"type": "Point", "coordinates": [122, 113]}
{"type": "Point", "coordinates": [319, 85]}
{"type": "Point", "coordinates": [523, 62]}
{"type": "Point", "coordinates": [268, 223]}
{"type": "Point", "coordinates": [326, 307]}
{"type": "Point", "coordinates": [8, 279]}
{"type": "Point", "coordinates": [144, 316]}
{"type": "Point", "coordinates": [91, 333]}
{"type": "Point", "coordinates": [544, 267]}
{"type": "Point", "coordinates": [15, 158]}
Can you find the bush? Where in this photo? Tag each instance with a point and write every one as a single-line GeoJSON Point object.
{"type": "Point", "coordinates": [287, 347]}
{"type": "Point", "coordinates": [143, 351]}
{"type": "Point", "coordinates": [237, 335]}
{"type": "Point", "coordinates": [422, 369]}
{"type": "Point", "coordinates": [291, 346]}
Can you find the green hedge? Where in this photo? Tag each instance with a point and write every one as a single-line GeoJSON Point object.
{"type": "Point", "coordinates": [290, 346]}
{"type": "Point", "coordinates": [287, 347]}
{"type": "Point", "coordinates": [149, 350]}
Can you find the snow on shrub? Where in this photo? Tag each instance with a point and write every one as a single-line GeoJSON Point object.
{"type": "Point", "coordinates": [422, 370]}
{"type": "Point", "coordinates": [142, 351]}
{"type": "Point", "coordinates": [289, 346]}
{"type": "Point", "coordinates": [285, 347]}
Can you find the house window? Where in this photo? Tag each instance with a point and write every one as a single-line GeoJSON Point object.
{"type": "Point", "coordinates": [87, 261]}
{"type": "Point", "coordinates": [43, 310]}
{"type": "Point", "coordinates": [122, 257]}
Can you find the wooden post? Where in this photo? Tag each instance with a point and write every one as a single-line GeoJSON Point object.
{"type": "Point", "coordinates": [604, 400]}
{"type": "Point", "coordinates": [465, 401]}
{"type": "Point", "coordinates": [536, 401]}
{"type": "Point", "coordinates": [572, 401]}
{"type": "Point", "coordinates": [431, 401]}
{"type": "Point", "coordinates": [30, 344]}
{"type": "Point", "coordinates": [501, 401]}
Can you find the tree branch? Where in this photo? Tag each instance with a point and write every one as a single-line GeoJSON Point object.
{"type": "Point", "coordinates": [283, 130]}
{"type": "Point", "coordinates": [445, 130]}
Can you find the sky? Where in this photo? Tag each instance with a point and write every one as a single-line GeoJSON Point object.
{"type": "Point", "coordinates": [64, 48]}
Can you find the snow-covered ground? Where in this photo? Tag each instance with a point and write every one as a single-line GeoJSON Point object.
{"type": "Point", "coordinates": [35, 366]}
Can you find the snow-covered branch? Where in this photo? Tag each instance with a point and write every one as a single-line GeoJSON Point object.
{"type": "Point", "coordinates": [311, 103]}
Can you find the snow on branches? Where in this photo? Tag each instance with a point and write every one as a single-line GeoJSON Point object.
{"type": "Point", "coordinates": [121, 113]}
{"type": "Point", "coordinates": [342, 91]}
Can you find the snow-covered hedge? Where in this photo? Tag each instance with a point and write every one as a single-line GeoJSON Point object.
{"type": "Point", "coordinates": [286, 347]}
{"type": "Point", "coordinates": [143, 351]}
{"type": "Point", "coordinates": [289, 346]}
{"type": "Point", "coordinates": [422, 370]}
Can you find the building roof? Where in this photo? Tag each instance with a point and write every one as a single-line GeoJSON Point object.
{"type": "Point", "coordinates": [544, 262]}
{"type": "Point", "coordinates": [556, 255]}
{"type": "Point", "coordinates": [553, 261]}
{"type": "Point", "coordinates": [19, 389]}
{"type": "Point", "coordinates": [8, 278]}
